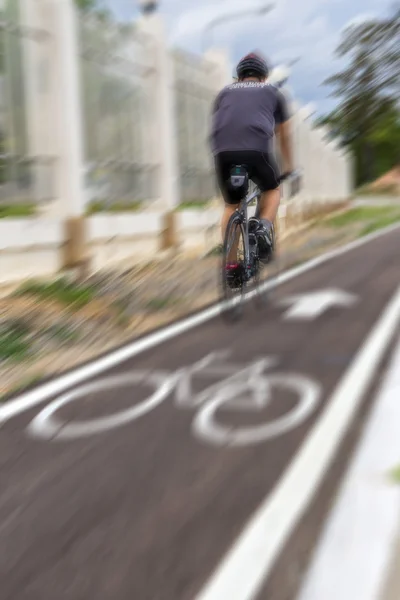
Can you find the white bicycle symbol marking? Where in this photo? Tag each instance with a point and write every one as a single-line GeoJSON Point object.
{"type": "Point", "coordinates": [242, 389]}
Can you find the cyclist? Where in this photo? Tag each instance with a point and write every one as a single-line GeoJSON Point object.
{"type": "Point", "coordinates": [246, 116]}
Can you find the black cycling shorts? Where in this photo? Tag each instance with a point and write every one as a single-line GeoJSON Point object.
{"type": "Point", "coordinates": [262, 168]}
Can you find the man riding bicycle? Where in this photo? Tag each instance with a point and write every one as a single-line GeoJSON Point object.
{"type": "Point", "coordinates": [246, 116]}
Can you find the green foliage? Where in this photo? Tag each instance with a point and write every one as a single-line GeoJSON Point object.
{"type": "Point", "coordinates": [193, 204]}
{"type": "Point", "coordinates": [92, 6]}
{"type": "Point", "coordinates": [367, 218]}
{"type": "Point", "coordinates": [162, 303]}
{"type": "Point", "coordinates": [215, 251]}
{"type": "Point", "coordinates": [61, 333]}
{"type": "Point", "coordinates": [14, 211]}
{"type": "Point", "coordinates": [367, 118]}
{"type": "Point", "coordinates": [380, 223]}
{"type": "Point", "coordinates": [86, 5]}
{"type": "Point", "coordinates": [14, 341]}
{"type": "Point", "coordinates": [61, 290]}
{"type": "Point", "coordinates": [394, 475]}
{"type": "Point", "coordinates": [362, 213]}
{"type": "Point", "coordinates": [100, 206]}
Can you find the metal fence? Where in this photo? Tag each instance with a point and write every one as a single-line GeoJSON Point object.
{"type": "Point", "coordinates": [194, 96]}
{"type": "Point", "coordinates": [26, 159]}
{"type": "Point", "coordinates": [118, 110]}
{"type": "Point", "coordinates": [137, 98]}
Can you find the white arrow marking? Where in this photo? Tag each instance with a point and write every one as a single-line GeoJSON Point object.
{"type": "Point", "coordinates": [311, 305]}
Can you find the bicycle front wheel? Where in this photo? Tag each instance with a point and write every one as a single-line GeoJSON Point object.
{"type": "Point", "coordinates": [233, 268]}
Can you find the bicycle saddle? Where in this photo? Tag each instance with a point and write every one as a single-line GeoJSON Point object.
{"type": "Point", "coordinates": [239, 177]}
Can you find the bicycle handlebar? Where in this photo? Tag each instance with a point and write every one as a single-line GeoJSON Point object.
{"type": "Point", "coordinates": [295, 181]}
{"type": "Point", "coordinates": [285, 176]}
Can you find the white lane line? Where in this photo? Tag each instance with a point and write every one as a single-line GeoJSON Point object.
{"type": "Point", "coordinates": [242, 572]}
{"type": "Point", "coordinates": [56, 386]}
{"type": "Point", "coordinates": [354, 552]}
{"type": "Point", "coordinates": [311, 305]}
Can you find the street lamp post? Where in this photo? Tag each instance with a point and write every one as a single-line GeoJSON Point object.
{"type": "Point", "coordinates": [260, 10]}
{"type": "Point", "coordinates": [293, 61]}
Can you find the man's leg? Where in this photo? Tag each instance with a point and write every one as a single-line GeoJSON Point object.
{"type": "Point", "coordinates": [269, 205]}
{"type": "Point", "coordinates": [267, 173]}
{"type": "Point", "coordinates": [228, 212]}
{"type": "Point", "coordinates": [223, 165]}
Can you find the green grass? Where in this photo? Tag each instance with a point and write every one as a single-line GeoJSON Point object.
{"type": "Point", "coordinates": [363, 213]}
{"type": "Point", "coordinates": [380, 223]}
{"type": "Point", "coordinates": [161, 303]}
{"type": "Point", "coordinates": [193, 205]}
{"type": "Point", "coordinates": [69, 294]}
{"type": "Point", "coordinates": [15, 344]}
{"type": "Point", "coordinates": [10, 211]}
{"type": "Point", "coordinates": [61, 333]}
{"type": "Point", "coordinates": [122, 319]}
{"type": "Point", "coordinates": [371, 218]}
{"type": "Point", "coordinates": [100, 206]}
{"type": "Point", "coordinates": [216, 251]}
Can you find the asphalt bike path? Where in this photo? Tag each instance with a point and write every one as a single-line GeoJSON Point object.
{"type": "Point", "coordinates": [135, 484]}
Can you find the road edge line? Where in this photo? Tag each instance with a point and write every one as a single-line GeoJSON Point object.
{"type": "Point", "coordinates": [245, 568]}
{"type": "Point", "coordinates": [27, 400]}
{"type": "Point", "coordinates": [367, 504]}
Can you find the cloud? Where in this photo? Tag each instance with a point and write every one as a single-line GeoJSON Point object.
{"type": "Point", "coordinates": [308, 29]}
{"type": "Point", "coordinates": [192, 24]}
{"type": "Point", "coordinates": [293, 29]}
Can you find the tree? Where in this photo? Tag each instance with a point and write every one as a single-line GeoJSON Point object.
{"type": "Point", "coordinates": [86, 5]}
{"type": "Point", "coordinates": [93, 7]}
{"type": "Point", "coordinates": [367, 117]}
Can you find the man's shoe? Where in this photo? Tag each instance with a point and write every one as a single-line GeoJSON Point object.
{"type": "Point", "coordinates": [265, 237]}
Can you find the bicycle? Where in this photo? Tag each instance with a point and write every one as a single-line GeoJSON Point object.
{"type": "Point", "coordinates": [249, 389]}
{"type": "Point", "coordinates": [241, 232]}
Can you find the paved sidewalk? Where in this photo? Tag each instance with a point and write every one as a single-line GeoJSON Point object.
{"type": "Point", "coordinates": [391, 587]}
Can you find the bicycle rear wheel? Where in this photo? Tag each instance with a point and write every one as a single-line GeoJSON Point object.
{"type": "Point", "coordinates": [233, 269]}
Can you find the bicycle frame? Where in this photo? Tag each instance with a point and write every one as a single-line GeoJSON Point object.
{"type": "Point", "coordinates": [242, 211]}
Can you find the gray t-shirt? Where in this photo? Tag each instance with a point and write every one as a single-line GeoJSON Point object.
{"type": "Point", "coordinates": [245, 115]}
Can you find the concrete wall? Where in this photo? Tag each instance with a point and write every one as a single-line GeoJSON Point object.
{"type": "Point", "coordinates": [117, 238]}
{"type": "Point", "coordinates": [34, 248]}
{"type": "Point", "coordinates": [29, 248]}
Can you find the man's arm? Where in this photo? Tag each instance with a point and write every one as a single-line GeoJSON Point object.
{"type": "Point", "coordinates": [216, 103]}
{"type": "Point", "coordinates": [283, 132]}
{"type": "Point", "coordinates": [214, 109]}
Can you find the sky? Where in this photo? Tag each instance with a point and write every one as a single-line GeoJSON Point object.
{"type": "Point", "coordinates": [306, 29]}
